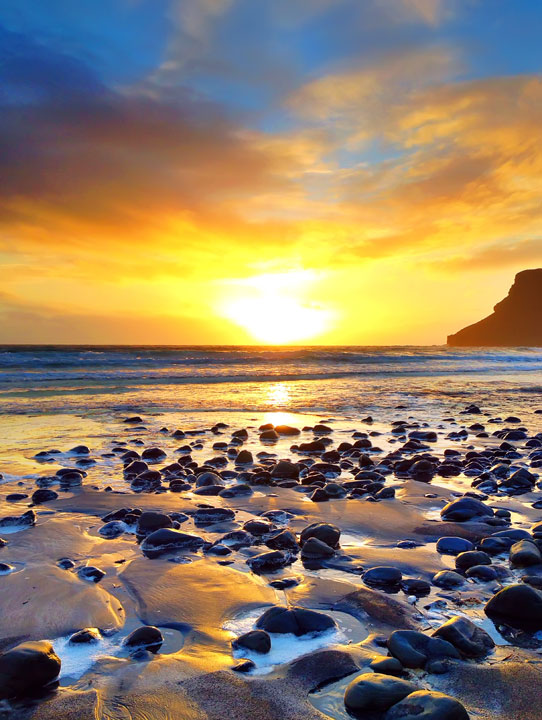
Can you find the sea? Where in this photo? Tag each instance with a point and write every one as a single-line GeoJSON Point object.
{"type": "Point", "coordinates": [92, 380]}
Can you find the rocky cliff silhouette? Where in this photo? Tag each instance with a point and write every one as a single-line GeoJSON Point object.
{"type": "Point", "coordinates": [516, 320]}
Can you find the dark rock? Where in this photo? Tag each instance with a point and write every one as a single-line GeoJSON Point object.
{"type": "Point", "coordinates": [244, 458]}
{"type": "Point", "coordinates": [147, 636]}
{"type": "Point", "coordinates": [382, 576]}
{"type": "Point", "coordinates": [386, 665]}
{"type": "Point", "coordinates": [468, 559]}
{"type": "Point", "coordinates": [25, 520]}
{"type": "Point", "coordinates": [239, 490]}
{"type": "Point", "coordinates": [329, 534]}
{"type": "Point", "coordinates": [285, 470]}
{"type": "Point", "coordinates": [244, 666]}
{"type": "Point", "coordinates": [153, 454]}
{"type": "Point", "coordinates": [149, 521]}
{"type": "Point", "coordinates": [91, 573]}
{"type": "Point", "coordinates": [209, 516]}
{"type": "Point", "coordinates": [255, 640]}
{"type": "Point", "coordinates": [427, 705]}
{"type": "Point", "coordinates": [453, 545]}
{"type": "Point", "coordinates": [43, 495]}
{"type": "Point", "coordinates": [519, 606]}
{"type": "Point", "coordinates": [112, 529]}
{"type": "Point", "coordinates": [413, 586]}
{"type": "Point", "coordinates": [16, 497]}
{"type": "Point", "coordinates": [269, 436]}
{"type": "Point", "coordinates": [314, 548]}
{"type": "Point", "coordinates": [483, 573]}
{"type": "Point", "coordinates": [413, 649]}
{"type": "Point", "coordinates": [87, 635]}
{"type": "Point", "coordinates": [471, 641]}
{"type": "Point", "coordinates": [286, 430]}
{"type": "Point", "coordinates": [373, 691]}
{"type": "Point", "coordinates": [464, 509]}
{"type": "Point", "coordinates": [80, 450]}
{"type": "Point", "coordinates": [267, 562]}
{"type": "Point", "coordinates": [283, 540]}
{"type": "Point", "coordinates": [298, 621]}
{"type": "Point", "coordinates": [167, 540]}
{"type": "Point", "coordinates": [525, 553]}
{"type": "Point", "coordinates": [27, 668]}
{"type": "Point", "coordinates": [208, 478]}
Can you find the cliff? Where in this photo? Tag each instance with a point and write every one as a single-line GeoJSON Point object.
{"type": "Point", "coordinates": [516, 320]}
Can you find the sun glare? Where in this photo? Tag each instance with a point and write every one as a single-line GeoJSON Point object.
{"type": "Point", "coordinates": [273, 310]}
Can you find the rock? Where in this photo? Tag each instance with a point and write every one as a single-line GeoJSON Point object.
{"type": "Point", "coordinates": [513, 322]}
{"type": "Point", "coordinates": [150, 521]}
{"type": "Point", "coordinates": [286, 430]}
{"type": "Point", "coordinates": [525, 553]}
{"type": "Point", "coordinates": [284, 540]}
{"type": "Point", "coordinates": [209, 478]}
{"type": "Point", "coordinates": [386, 665]}
{"type": "Point", "coordinates": [413, 649]}
{"type": "Point", "coordinates": [43, 495]}
{"type": "Point", "coordinates": [464, 509]}
{"type": "Point", "coordinates": [91, 573]}
{"type": "Point", "coordinates": [483, 573]}
{"type": "Point", "coordinates": [80, 450]}
{"type": "Point", "coordinates": [244, 458]}
{"type": "Point", "coordinates": [112, 529]}
{"type": "Point", "coordinates": [209, 516]}
{"type": "Point", "coordinates": [327, 533]}
{"type": "Point", "coordinates": [372, 692]}
{"type": "Point", "coordinates": [153, 454]}
{"type": "Point", "coordinates": [255, 640]}
{"type": "Point", "coordinates": [240, 490]}
{"type": "Point", "coordinates": [167, 540]}
{"type": "Point", "coordinates": [285, 470]}
{"type": "Point", "coordinates": [382, 576]}
{"type": "Point", "coordinates": [267, 562]}
{"type": "Point", "coordinates": [257, 527]}
{"type": "Point", "coordinates": [314, 548]}
{"type": "Point", "coordinates": [413, 586]}
{"type": "Point", "coordinates": [427, 705]}
{"type": "Point", "coordinates": [471, 641]}
{"type": "Point", "coordinates": [27, 668]}
{"type": "Point", "coordinates": [297, 621]}
{"type": "Point", "coordinates": [244, 666]}
{"type": "Point", "coordinates": [269, 436]}
{"type": "Point", "coordinates": [453, 545]}
{"type": "Point", "coordinates": [25, 520]}
{"type": "Point", "coordinates": [519, 606]}
{"type": "Point", "coordinates": [147, 636]}
{"type": "Point", "coordinates": [466, 560]}
{"type": "Point", "coordinates": [87, 635]}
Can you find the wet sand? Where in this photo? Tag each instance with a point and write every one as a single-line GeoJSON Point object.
{"type": "Point", "coordinates": [204, 598]}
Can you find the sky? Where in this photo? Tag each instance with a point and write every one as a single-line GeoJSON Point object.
{"type": "Point", "coordinates": [265, 171]}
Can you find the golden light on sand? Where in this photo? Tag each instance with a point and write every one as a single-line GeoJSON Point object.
{"type": "Point", "coordinates": [275, 308]}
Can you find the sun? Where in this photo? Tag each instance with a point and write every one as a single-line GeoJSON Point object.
{"type": "Point", "coordinates": [272, 309]}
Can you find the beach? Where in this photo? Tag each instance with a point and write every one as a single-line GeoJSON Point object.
{"type": "Point", "coordinates": [248, 532]}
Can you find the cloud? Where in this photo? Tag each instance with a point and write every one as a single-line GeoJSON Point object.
{"type": "Point", "coordinates": [509, 253]}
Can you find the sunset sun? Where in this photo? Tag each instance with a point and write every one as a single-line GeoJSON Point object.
{"type": "Point", "coordinates": [276, 309]}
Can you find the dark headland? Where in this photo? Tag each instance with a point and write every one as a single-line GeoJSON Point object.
{"type": "Point", "coordinates": [515, 321]}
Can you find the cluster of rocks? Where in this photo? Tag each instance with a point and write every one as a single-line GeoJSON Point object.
{"type": "Point", "coordinates": [280, 621]}
{"type": "Point", "coordinates": [31, 668]}
{"type": "Point", "coordinates": [388, 692]}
